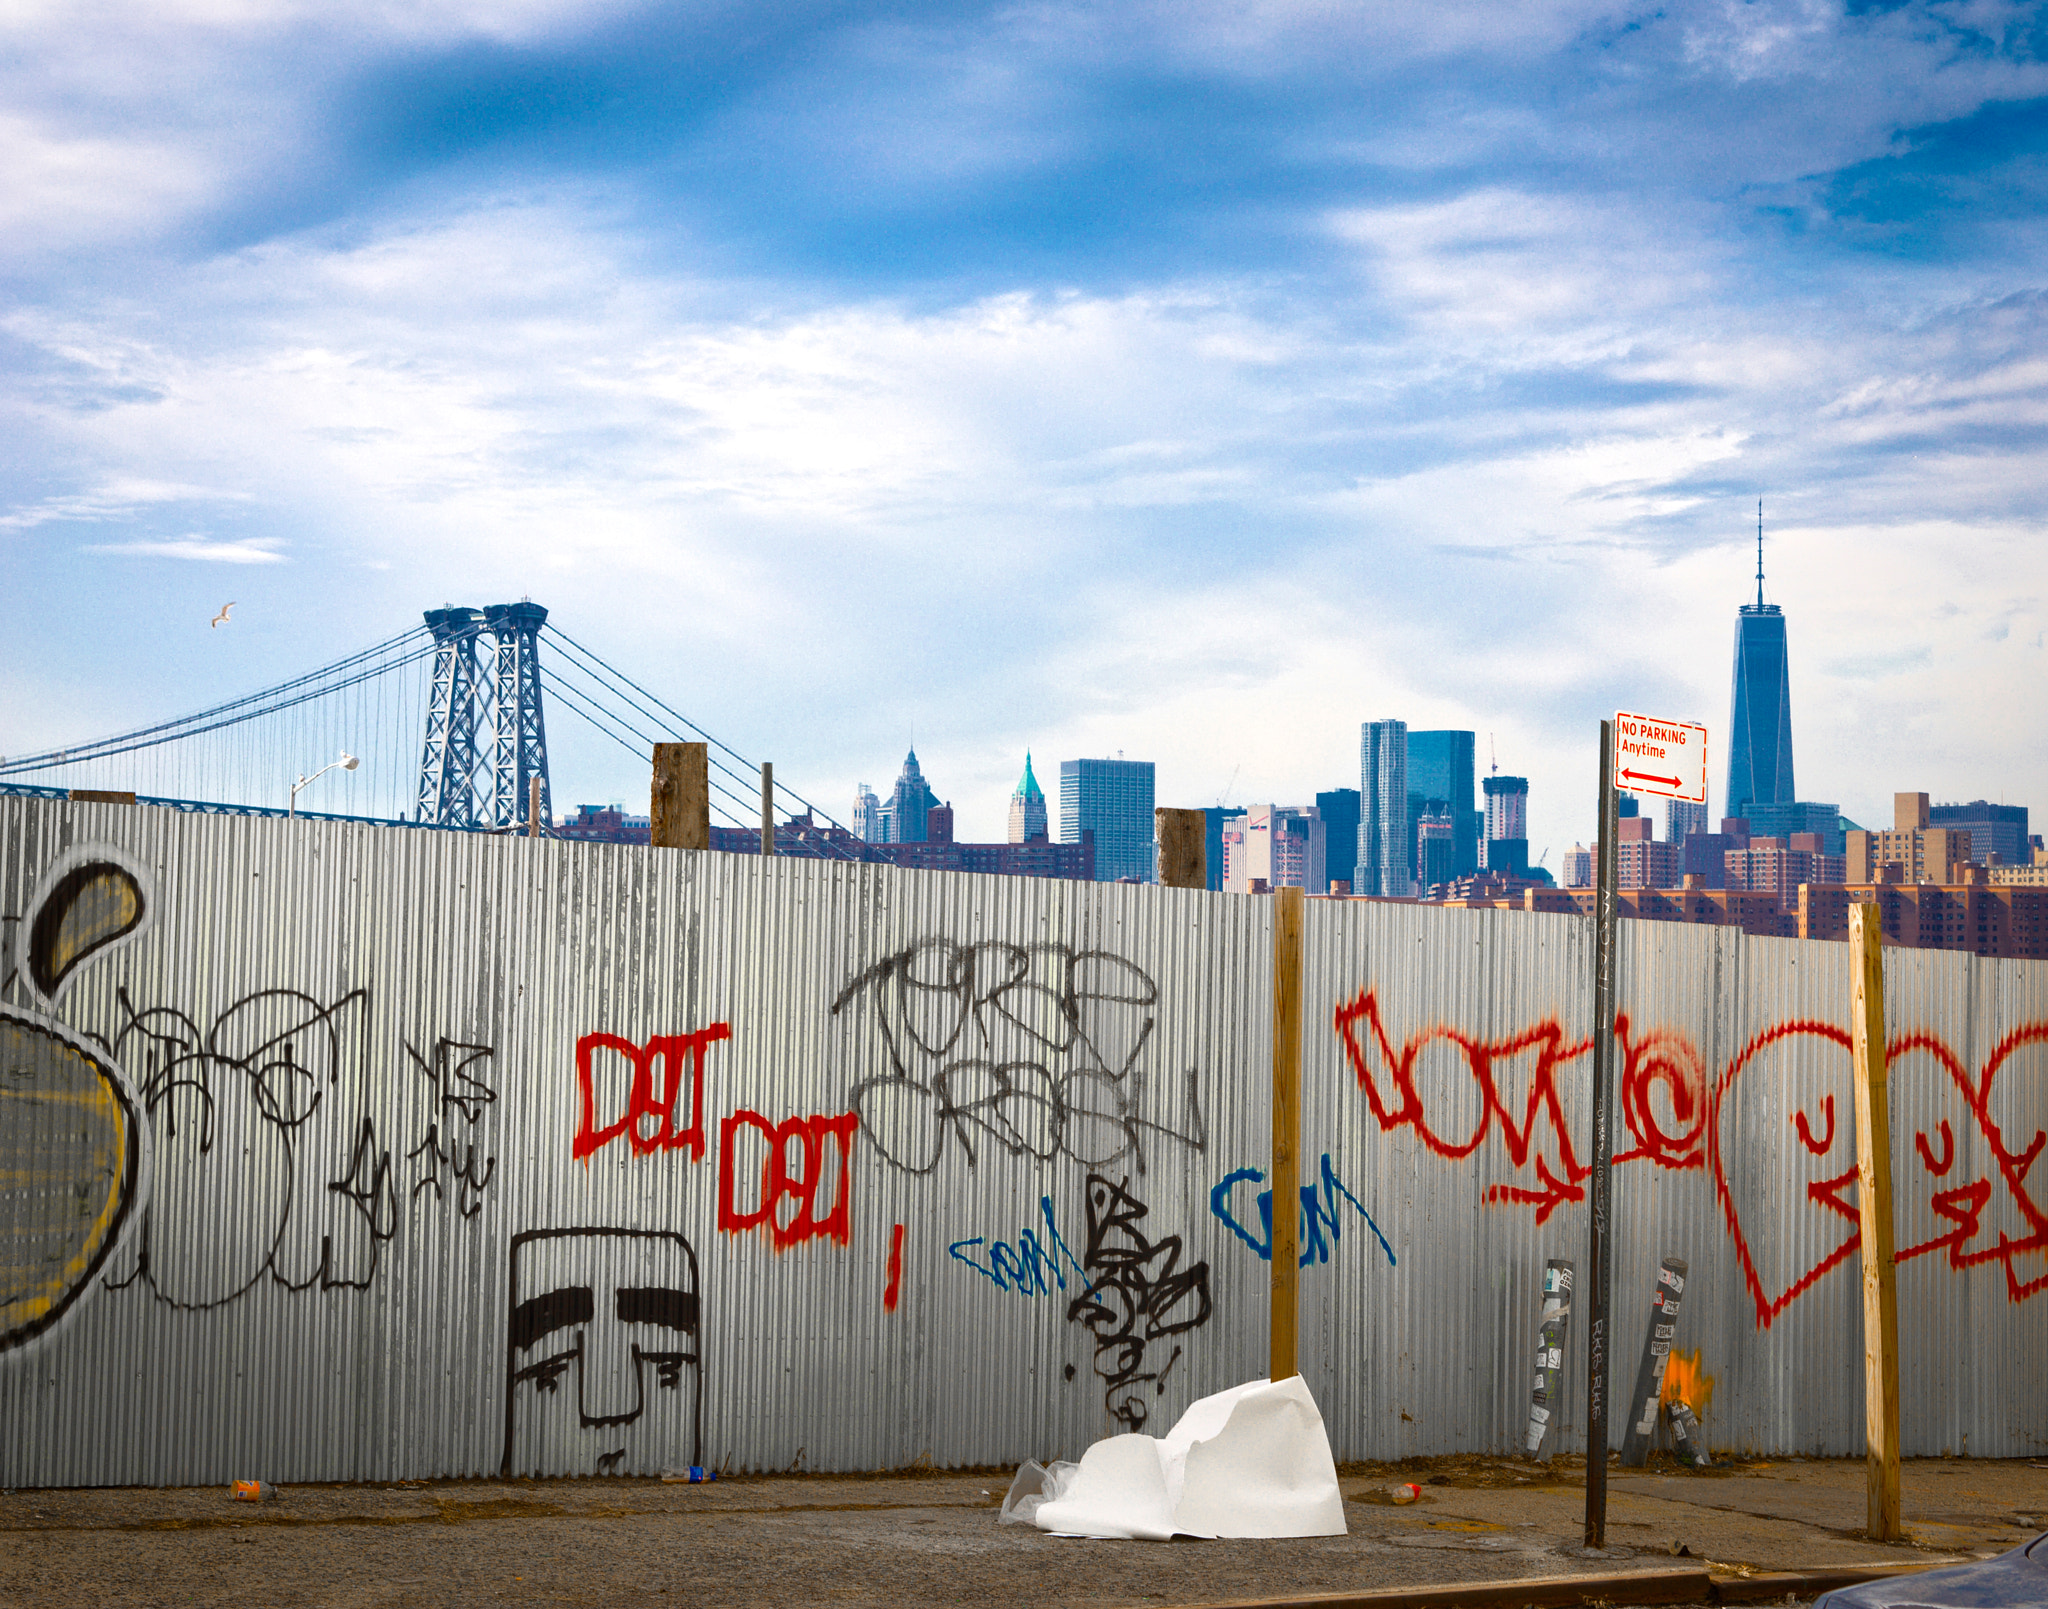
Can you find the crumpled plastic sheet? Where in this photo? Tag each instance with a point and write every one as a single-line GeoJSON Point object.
{"type": "Point", "coordinates": [1253, 1461]}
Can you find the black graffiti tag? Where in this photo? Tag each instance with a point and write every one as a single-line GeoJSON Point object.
{"type": "Point", "coordinates": [1138, 1294]}
{"type": "Point", "coordinates": [1036, 1049]}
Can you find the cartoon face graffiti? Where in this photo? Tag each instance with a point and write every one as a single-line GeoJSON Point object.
{"type": "Point", "coordinates": [601, 1357]}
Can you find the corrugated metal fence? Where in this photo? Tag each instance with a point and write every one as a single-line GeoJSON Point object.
{"type": "Point", "coordinates": [336, 1153]}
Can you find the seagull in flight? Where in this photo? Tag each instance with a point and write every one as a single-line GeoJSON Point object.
{"type": "Point", "coordinates": [221, 619]}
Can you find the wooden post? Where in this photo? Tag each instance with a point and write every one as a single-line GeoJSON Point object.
{"type": "Point", "coordinates": [1286, 1179]}
{"type": "Point", "coordinates": [679, 816]}
{"type": "Point", "coordinates": [533, 807]}
{"type": "Point", "coordinates": [767, 807]}
{"type": "Point", "coordinates": [1874, 1208]}
{"type": "Point", "coordinates": [1183, 848]}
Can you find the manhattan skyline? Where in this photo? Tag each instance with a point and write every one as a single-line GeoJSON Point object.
{"type": "Point", "coordinates": [1190, 382]}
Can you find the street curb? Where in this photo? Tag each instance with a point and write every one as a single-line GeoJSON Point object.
{"type": "Point", "coordinates": [1695, 1585]}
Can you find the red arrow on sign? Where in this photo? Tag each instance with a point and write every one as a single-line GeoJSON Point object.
{"type": "Point", "coordinates": [1644, 776]}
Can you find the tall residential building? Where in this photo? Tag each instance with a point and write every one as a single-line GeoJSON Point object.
{"type": "Point", "coordinates": [1506, 847]}
{"type": "Point", "coordinates": [1027, 809]}
{"type": "Point", "coordinates": [1578, 867]}
{"type": "Point", "coordinates": [1682, 819]}
{"type": "Point", "coordinates": [1776, 867]}
{"type": "Point", "coordinates": [1112, 799]}
{"type": "Point", "coordinates": [867, 816]}
{"type": "Point", "coordinates": [1383, 835]}
{"type": "Point", "coordinates": [1440, 766]}
{"type": "Point", "coordinates": [1639, 860]}
{"type": "Point", "coordinates": [1339, 810]}
{"type": "Point", "coordinates": [1918, 852]}
{"type": "Point", "coordinates": [910, 804]}
{"type": "Point", "coordinates": [1760, 721]}
{"type": "Point", "coordinates": [1995, 829]}
{"type": "Point", "coordinates": [1507, 806]}
{"type": "Point", "coordinates": [1281, 847]}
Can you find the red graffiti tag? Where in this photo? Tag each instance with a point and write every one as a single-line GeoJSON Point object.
{"type": "Point", "coordinates": [1678, 1121]}
{"type": "Point", "coordinates": [894, 1289]}
{"type": "Point", "coordinates": [788, 1201]}
{"type": "Point", "coordinates": [659, 1070]}
{"type": "Point", "coordinates": [1398, 1103]}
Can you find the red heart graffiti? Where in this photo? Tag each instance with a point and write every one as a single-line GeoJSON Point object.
{"type": "Point", "coordinates": [1825, 1193]}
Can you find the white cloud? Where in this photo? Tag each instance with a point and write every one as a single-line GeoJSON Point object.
{"type": "Point", "coordinates": [258, 550]}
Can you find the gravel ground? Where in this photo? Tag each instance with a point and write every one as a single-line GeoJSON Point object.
{"type": "Point", "coordinates": [933, 1539]}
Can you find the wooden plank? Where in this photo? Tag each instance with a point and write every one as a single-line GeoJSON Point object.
{"type": "Point", "coordinates": [767, 807]}
{"type": "Point", "coordinates": [679, 812]}
{"type": "Point", "coordinates": [1693, 1585]}
{"type": "Point", "coordinates": [1183, 848]}
{"type": "Point", "coordinates": [1286, 1180]}
{"type": "Point", "coordinates": [1874, 1208]}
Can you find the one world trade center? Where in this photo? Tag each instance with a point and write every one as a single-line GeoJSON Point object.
{"type": "Point", "coordinates": [1760, 723]}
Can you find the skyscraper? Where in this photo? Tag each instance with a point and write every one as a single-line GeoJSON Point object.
{"type": "Point", "coordinates": [1440, 766]}
{"type": "Point", "coordinates": [1760, 722]}
{"type": "Point", "coordinates": [910, 803]}
{"type": "Point", "coordinates": [1339, 810]}
{"type": "Point", "coordinates": [867, 816]}
{"type": "Point", "coordinates": [1027, 809]}
{"type": "Point", "coordinates": [1507, 824]}
{"type": "Point", "coordinates": [1383, 837]}
{"type": "Point", "coordinates": [1682, 819]}
{"type": "Point", "coordinates": [1113, 799]}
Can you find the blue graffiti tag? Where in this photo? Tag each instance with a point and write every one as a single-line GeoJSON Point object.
{"type": "Point", "coordinates": [1318, 1212]}
{"type": "Point", "coordinates": [1031, 1267]}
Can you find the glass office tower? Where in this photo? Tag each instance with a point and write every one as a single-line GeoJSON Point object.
{"type": "Point", "coordinates": [1385, 848]}
{"type": "Point", "coordinates": [1114, 798]}
{"type": "Point", "coordinates": [1760, 724]}
{"type": "Point", "coordinates": [1440, 766]}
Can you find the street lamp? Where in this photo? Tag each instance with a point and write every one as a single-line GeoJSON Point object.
{"type": "Point", "coordinates": [348, 762]}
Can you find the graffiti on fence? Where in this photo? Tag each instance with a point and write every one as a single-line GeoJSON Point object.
{"type": "Point", "coordinates": [1029, 1266]}
{"type": "Point", "coordinates": [458, 1095]}
{"type": "Point", "coordinates": [72, 1125]}
{"type": "Point", "coordinates": [810, 1200]}
{"type": "Point", "coordinates": [1037, 1049]}
{"type": "Point", "coordinates": [641, 1104]}
{"type": "Point", "coordinates": [1961, 1181]}
{"type": "Point", "coordinates": [1138, 1296]}
{"type": "Point", "coordinates": [265, 1107]}
{"type": "Point", "coordinates": [603, 1353]}
{"type": "Point", "coordinates": [1320, 1222]}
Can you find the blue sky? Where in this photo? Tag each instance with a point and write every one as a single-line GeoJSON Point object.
{"type": "Point", "coordinates": [1193, 381]}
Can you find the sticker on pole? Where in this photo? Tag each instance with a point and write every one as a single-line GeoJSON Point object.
{"type": "Point", "coordinates": [1665, 758]}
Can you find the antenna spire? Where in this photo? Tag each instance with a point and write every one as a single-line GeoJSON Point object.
{"type": "Point", "coordinates": [1759, 552]}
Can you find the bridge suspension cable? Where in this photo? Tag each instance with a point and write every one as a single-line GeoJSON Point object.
{"type": "Point", "coordinates": [623, 688]}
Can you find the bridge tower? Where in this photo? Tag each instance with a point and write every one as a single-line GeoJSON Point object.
{"type": "Point", "coordinates": [486, 739]}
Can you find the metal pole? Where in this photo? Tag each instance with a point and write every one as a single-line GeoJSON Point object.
{"type": "Point", "coordinates": [1599, 1250]}
{"type": "Point", "coordinates": [767, 808]}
